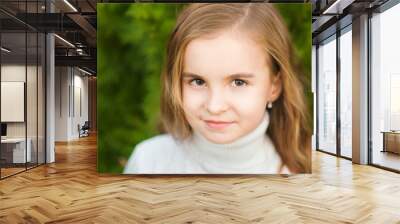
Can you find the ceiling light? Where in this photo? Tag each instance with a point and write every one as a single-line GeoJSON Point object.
{"type": "Point", "coordinates": [65, 41]}
{"type": "Point", "coordinates": [70, 5]}
{"type": "Point", "coordinates": [86, 72]}
{"type": "Point", "coordinates": [338, 6]}
{"type": "Point", "coordinates": [5, 50]}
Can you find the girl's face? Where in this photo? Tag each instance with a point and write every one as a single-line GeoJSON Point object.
{"type": "Point", "coordinates": [226, 86]}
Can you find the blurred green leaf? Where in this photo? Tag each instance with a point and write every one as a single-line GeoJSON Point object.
{"type": "Point", "coordinates": [131, 43]}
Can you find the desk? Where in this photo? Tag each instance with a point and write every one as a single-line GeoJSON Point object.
{"type": "Point", "coordinates": [16, 147]}
{"type": "Point", "coordinates": [391, 141]}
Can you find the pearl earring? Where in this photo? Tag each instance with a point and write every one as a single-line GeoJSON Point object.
{"type": "Point", "coordinates": [269, 106]}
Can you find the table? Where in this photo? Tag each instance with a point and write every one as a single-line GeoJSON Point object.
{"type": "Point", "coordinates": [15, 148]}
{"type": "Point", "coordinates": [391, 141]}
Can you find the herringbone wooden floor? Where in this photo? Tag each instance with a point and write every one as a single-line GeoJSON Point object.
{"type": "Point", "coordinates": [71, 191]}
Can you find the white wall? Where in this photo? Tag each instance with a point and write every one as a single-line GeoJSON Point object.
{"type": "Point", "coordinates": [62, 81]}
{"type": "Point", "coordinates": [71, 87]}
{"type": "Point", "coordinates": [12, 73]}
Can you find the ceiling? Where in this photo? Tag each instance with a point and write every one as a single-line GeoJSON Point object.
{"type": "Point", "coordinates": [332, 15]}
{"type": "Point", "coordinates": [76, 22]}
{"type": "Point", "coordinates": [72, 20]}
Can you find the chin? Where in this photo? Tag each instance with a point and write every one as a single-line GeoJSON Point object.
{"type": "Point", "coordinates": [220, 139]}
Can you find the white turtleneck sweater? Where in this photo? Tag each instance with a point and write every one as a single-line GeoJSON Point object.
{"type": "Point", "coordinates": [253, 153]}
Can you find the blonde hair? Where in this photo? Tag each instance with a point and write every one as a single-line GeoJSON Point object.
{"type": "Point", "coordinates": [289, 124]}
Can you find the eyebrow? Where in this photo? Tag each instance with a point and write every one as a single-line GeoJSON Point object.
{"type": "Point", "coordinates": [242, 75]}
{"type": "Point", "coordinates": [190, 75]}
{"type": "Point", "coordinates": [236, 75]}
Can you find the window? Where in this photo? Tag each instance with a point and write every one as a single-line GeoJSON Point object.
{"type": "Point", "coordinates": [346, 92]}
{"type": "Point", "coordinates": [385, 88]}
{"type": "Point", "coordinates": [327, 95]}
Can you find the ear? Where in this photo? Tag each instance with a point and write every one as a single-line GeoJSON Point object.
{"type": "Point", "coordinates": [276, 87]}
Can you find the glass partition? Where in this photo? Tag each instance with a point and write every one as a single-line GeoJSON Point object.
{"type": "Point", "coordinates": [31, 100]}
{"type": "Point", "coordinates": [346, 93]}
{"type": "Point", "coordinates": [14, 151]}
{"type": "Point", "coordinates": [41, 85]}
{"type": "Point", "coordinates": [327, 95]}
{"type": "Point", "coordinates": [22, 88]}
{"type": "Point", "coordinates": [385, 89]}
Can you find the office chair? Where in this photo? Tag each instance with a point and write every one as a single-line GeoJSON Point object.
{"type": "Point", "coordinates": [84, 130]}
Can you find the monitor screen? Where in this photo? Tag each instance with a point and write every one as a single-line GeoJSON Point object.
{"type": "Point", "coordinates": [3, 129]}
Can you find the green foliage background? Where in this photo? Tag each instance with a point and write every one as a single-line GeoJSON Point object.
{"type": "Point", "coordinates": [131, 42]}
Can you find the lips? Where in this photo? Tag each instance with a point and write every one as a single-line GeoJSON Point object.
{"type": "Point", "coordinates": [213, 124]}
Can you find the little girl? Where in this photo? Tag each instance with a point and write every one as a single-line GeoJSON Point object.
{"type": "Point", "coordinates": [231, 101]}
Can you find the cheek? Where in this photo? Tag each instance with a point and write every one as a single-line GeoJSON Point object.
{"type": "Point", "coordinates": [192, 100]}
{"type": "Point", "coordinates": [251, 102]}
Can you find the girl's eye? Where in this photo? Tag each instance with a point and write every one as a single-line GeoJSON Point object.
{"type": "Point", "coordinates": [239, 82]}
{"type": "Point", "coordinates": [197, 82]}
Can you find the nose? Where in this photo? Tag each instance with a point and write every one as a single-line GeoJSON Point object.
{"type": "Point", "coordinates": [216, 103]}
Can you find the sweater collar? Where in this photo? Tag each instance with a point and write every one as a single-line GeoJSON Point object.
{"type": "Point", "coordinates": [250, 152]}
